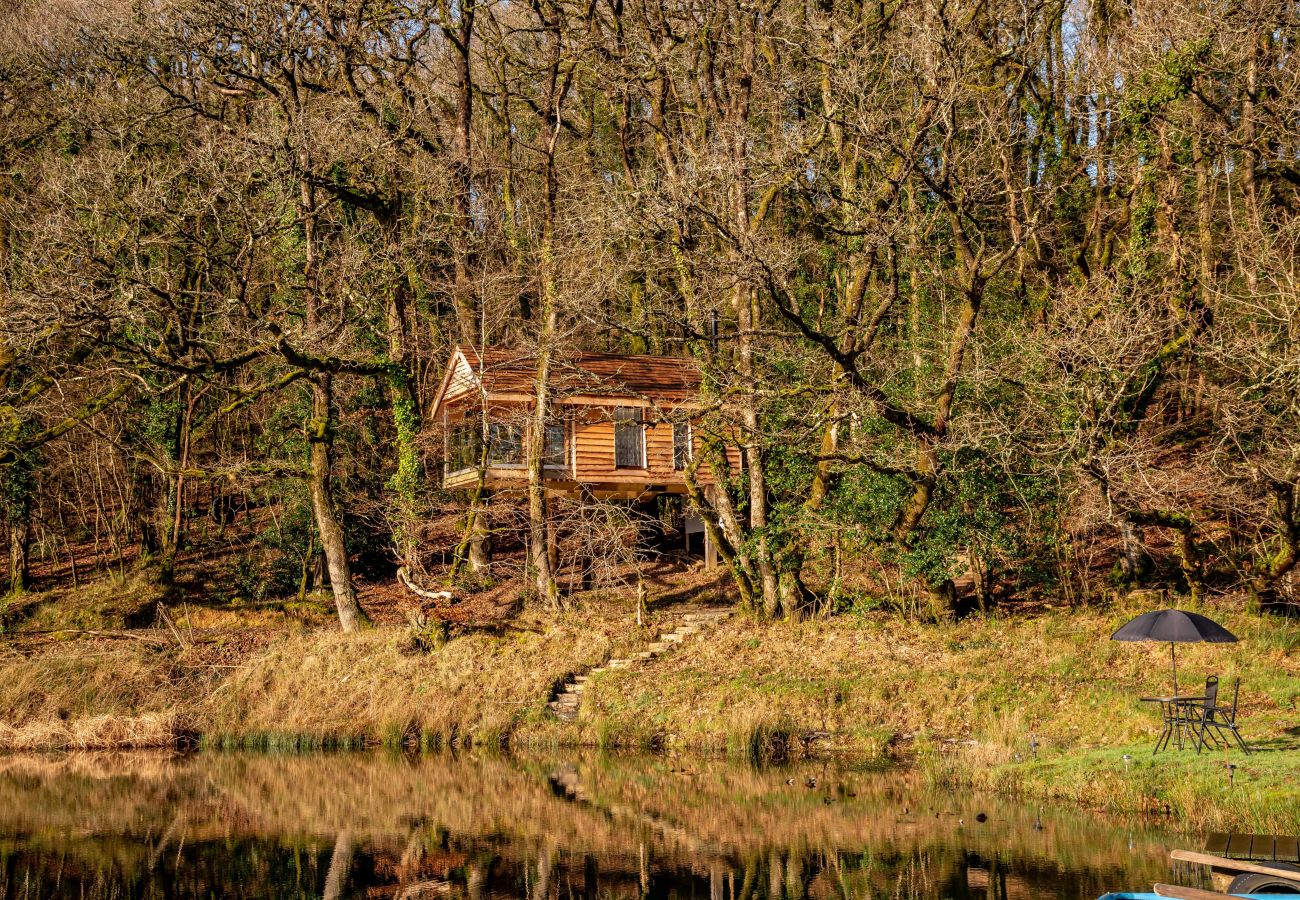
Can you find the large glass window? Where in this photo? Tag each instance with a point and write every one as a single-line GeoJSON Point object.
{"type": "Point", "coordinates": [553, 454]}
{"type": "Point", "coordinates": [505, 445]}
{"type": "Point", "coordinates": [464, 447]}
{"type": "Point", "coordinates": [629, 439]}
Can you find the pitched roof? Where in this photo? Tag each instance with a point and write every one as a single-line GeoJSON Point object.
{"type": "Point", "coordinates": [499, 372]}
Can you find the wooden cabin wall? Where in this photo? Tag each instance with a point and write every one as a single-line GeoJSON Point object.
{"type": "Point", "coordinates": [592, 431]}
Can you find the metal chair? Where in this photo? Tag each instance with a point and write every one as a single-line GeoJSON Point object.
{"type": "Point", "coordinates": [1220, 719]}
{"type": "Point", "coordinates": [1199, 711]}
{"type": "Point", "coordinates": [1183, 714]}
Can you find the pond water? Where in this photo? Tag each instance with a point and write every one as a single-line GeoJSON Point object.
{"type": "Point", "coordinates": [372, 825]}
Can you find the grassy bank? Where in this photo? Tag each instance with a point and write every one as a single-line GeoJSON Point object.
{"type": "Point", "coordinates": [973, 702]}
{"type": "Point", "coordinates": [1262, 796]}
{"type": "Point", "coordinates": [284, 679]}
{"type": "Point", "coordinates": [965, 699]}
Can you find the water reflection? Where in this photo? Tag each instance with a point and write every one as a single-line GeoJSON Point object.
{"type": "Point", "coordinates": [233, 825]}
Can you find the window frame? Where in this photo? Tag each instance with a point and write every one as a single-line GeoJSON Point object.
{"type": "Point", "coordinates": [688, 445]}
{"type": "Point", "coordinates": [559, 460]}
{"type": "Point", "coordinates": [623, 418]}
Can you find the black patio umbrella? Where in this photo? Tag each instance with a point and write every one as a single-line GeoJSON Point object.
{"type": "Point", "coordinates": [1176, 627]}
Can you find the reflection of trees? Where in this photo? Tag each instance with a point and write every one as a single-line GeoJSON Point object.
{"type": "Point", "coordinates": [340, 865]}
{"type": "Point", "coordinates": [483, 827]}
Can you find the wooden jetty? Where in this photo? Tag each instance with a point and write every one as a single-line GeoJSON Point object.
{"type": "Point", "coordinates": [1254, 854]}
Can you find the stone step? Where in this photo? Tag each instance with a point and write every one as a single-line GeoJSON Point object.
{"type": "Point", "coordinates": [568, 701]}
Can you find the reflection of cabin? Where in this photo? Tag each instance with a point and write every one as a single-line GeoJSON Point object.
{"type": "Point", "coordinates": [621, 427]}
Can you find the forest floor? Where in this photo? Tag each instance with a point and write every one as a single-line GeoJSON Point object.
{"type": "Point", "coordinates": [98, 666]}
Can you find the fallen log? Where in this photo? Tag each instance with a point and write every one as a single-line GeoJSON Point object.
{"type": "Point", "coordinates": [436, 596]}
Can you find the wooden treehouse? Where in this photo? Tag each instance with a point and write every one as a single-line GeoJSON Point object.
{"type": "Point", "coordinates": [621, 428]}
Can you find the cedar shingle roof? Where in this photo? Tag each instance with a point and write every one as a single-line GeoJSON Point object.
{"type": "Point", "coordinates": [657, 379]}
{"type": "Point", "coordinates": [651, 377]}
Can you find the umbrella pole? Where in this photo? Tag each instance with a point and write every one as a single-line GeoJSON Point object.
{"type": "Point", "coordinates": [1173, 659]}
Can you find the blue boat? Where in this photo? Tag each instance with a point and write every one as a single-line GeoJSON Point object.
{"type": "Point", "coordinates": [1148, 895]}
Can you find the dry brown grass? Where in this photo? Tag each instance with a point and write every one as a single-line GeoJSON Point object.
{"type": "Point", "coordinates": [108, 732]}
{"type": "Point", "coordinates": [297, 687]}
{"type": "Point", "coordinates": [872, 683]}
{"type": "Point", "coordinates": [325, 684]}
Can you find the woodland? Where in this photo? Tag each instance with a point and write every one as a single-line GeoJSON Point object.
{"type": "Point", "coordinates": [999, 298]}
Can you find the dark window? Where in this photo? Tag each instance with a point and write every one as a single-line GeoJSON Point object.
{"type": "Point", "coordinates": [629, 439]}
{"type": "Point", "coordinates": [682, 450]}
{"type": "Point", "coordinates": [505, 445]}
{"type": "Point", "coordinates": [553, 453]}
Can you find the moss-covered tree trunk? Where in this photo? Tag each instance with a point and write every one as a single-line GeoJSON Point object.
{"type": "Point", "coordinates": [328, 525]}
{"type": "Point", "coordinates": [320, 429]}
{"type": "Point", "coordinates": [20, 533]}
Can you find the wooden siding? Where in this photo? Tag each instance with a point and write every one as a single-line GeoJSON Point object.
{"type": "Point", "coordinates": [589, 440]}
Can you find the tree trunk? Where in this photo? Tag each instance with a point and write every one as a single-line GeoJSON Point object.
{"type": "Point", "coordinates": [463, 288]}
{"type": "Point", "coordinates": [20, 539]}
{"type": "Point", "coordinates": [1278, 563]}
{"type": "Point", "coordinates": [175, 528]}
{"type": "Point", "coordinates": [320, 438]}
{"type": "Point", "coordinates": [475, 547]}
{"type": "Point", "coordinates": [539, 558]}
{"type": "Point", "coordinates": [480, 543]}
{"type": "Point", "coordinates": [943, 600]}
{"type": "Point", "coordinates": [544, 576]}
{"type": "Point", "coordinates": [743, 304]}
{"type": "Point", "coordinates": [336, 878]}
{"type": "Point", "coordinates": [320, 430]}
{"type": "Point", "coordinates": [408, 477]}
{"type": "Point", "coordinates": [1134, 556]}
